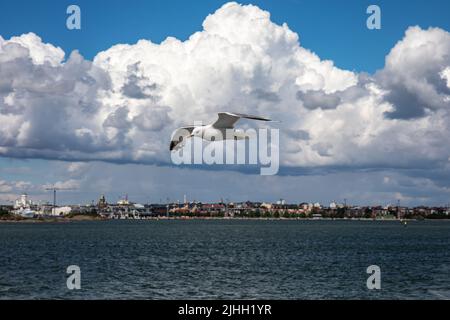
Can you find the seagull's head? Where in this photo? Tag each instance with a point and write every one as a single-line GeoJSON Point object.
{"type": "Point", "coordinates": [197, 132]}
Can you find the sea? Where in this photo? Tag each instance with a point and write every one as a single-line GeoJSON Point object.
{"type": "Point", "coordinates": [225, 259]}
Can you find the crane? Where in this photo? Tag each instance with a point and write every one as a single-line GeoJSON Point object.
{"type": "Point", "coordinates": [54, 189]}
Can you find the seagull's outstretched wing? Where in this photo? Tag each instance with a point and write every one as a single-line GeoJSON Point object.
{"type": "Point", "coordinates": [228, 119]}
{"type": "Point", "coordinates": [179, 137]}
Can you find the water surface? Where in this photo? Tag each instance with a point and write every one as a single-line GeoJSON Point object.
{"type": "Point", "coordinates": [225, 259]}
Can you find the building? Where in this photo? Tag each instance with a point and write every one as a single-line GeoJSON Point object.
{"type": "Point", "coordinates": [23, 202]}
{"type": "Point", "coordinates": [61, 211]}
{"type": "Point", "coordinates": [124, 202]}
{"type": "Point", "coordinates": [102, 202]}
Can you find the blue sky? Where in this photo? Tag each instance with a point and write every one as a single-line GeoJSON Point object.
{"type": "Point", "coordinates": [333, 29]}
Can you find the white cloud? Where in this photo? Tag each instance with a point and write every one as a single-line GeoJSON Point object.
{"type": "Point", "coordinates": [76, 168]}
{"type": "Point", "coordinates": [124, 105]}
{"type": "Point", "coordinates": [70, 184]}
{"type": "Point", "coordinates": [14, 186]}
{"type": "Point", "coordinates": [5, 187]}
{"type": "Point", "coordinates": [445, 74]}
{"type": "Point", "coordinates": [39, 52]}
{"type": "Point", "coordinates": [413, 73]}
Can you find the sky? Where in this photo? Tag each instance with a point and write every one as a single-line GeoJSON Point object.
{"type": "Point", "coordinates": [329, 28]}
{"type": "Point", "coordinates": [365, 113]}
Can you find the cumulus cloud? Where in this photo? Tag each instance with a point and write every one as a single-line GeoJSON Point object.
{"type": "Point", "coordinates": [48, 107]}
{"type": "Point", "coordinates": [5, 187]}
{"type": "Point", "coordinates": [8, 187]}
{"type": "Point", "coordinates": [399, 117]}
{"type": "Point", "coordinates": [124, 105]}
{"type": "Point", "coordinates": [76, 168]}
{"type": "Point", "coordinates": [319, 99]}
{"type": "Point", "coordinates": [135, 86]}
{"type": "Point", "coordinates": [413, 75]}
{"type": "Point", "coordinates": [70, 184]}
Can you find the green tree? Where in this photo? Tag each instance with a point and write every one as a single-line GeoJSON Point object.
{"type": "Point", "coordinates": [4, 212]}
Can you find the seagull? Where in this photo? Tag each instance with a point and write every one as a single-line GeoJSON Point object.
{"type": "Point", "coordinates": [214, 131]}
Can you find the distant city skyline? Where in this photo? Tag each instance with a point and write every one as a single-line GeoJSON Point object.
{"type": "Point", "coordinates": [365, 113]}
{"type": "Point", "coordinates": [24, 200]}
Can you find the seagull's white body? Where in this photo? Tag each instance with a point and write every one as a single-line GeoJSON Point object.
{"type": "Point", "coordinates": [218, 130]}
{"type": "Point", "coordinates": [207, 132]}
{"type": "Point", "coordinates": [211, 133]}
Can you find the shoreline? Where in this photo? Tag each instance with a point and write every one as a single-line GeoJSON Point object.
{"type": "Point", "coordinates": [52, 220]}
{"type": "Point", "coordinates": [100, 219]}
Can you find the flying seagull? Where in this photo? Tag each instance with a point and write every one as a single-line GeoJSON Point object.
{"type": "Point", "coordinates": [214, 131]}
